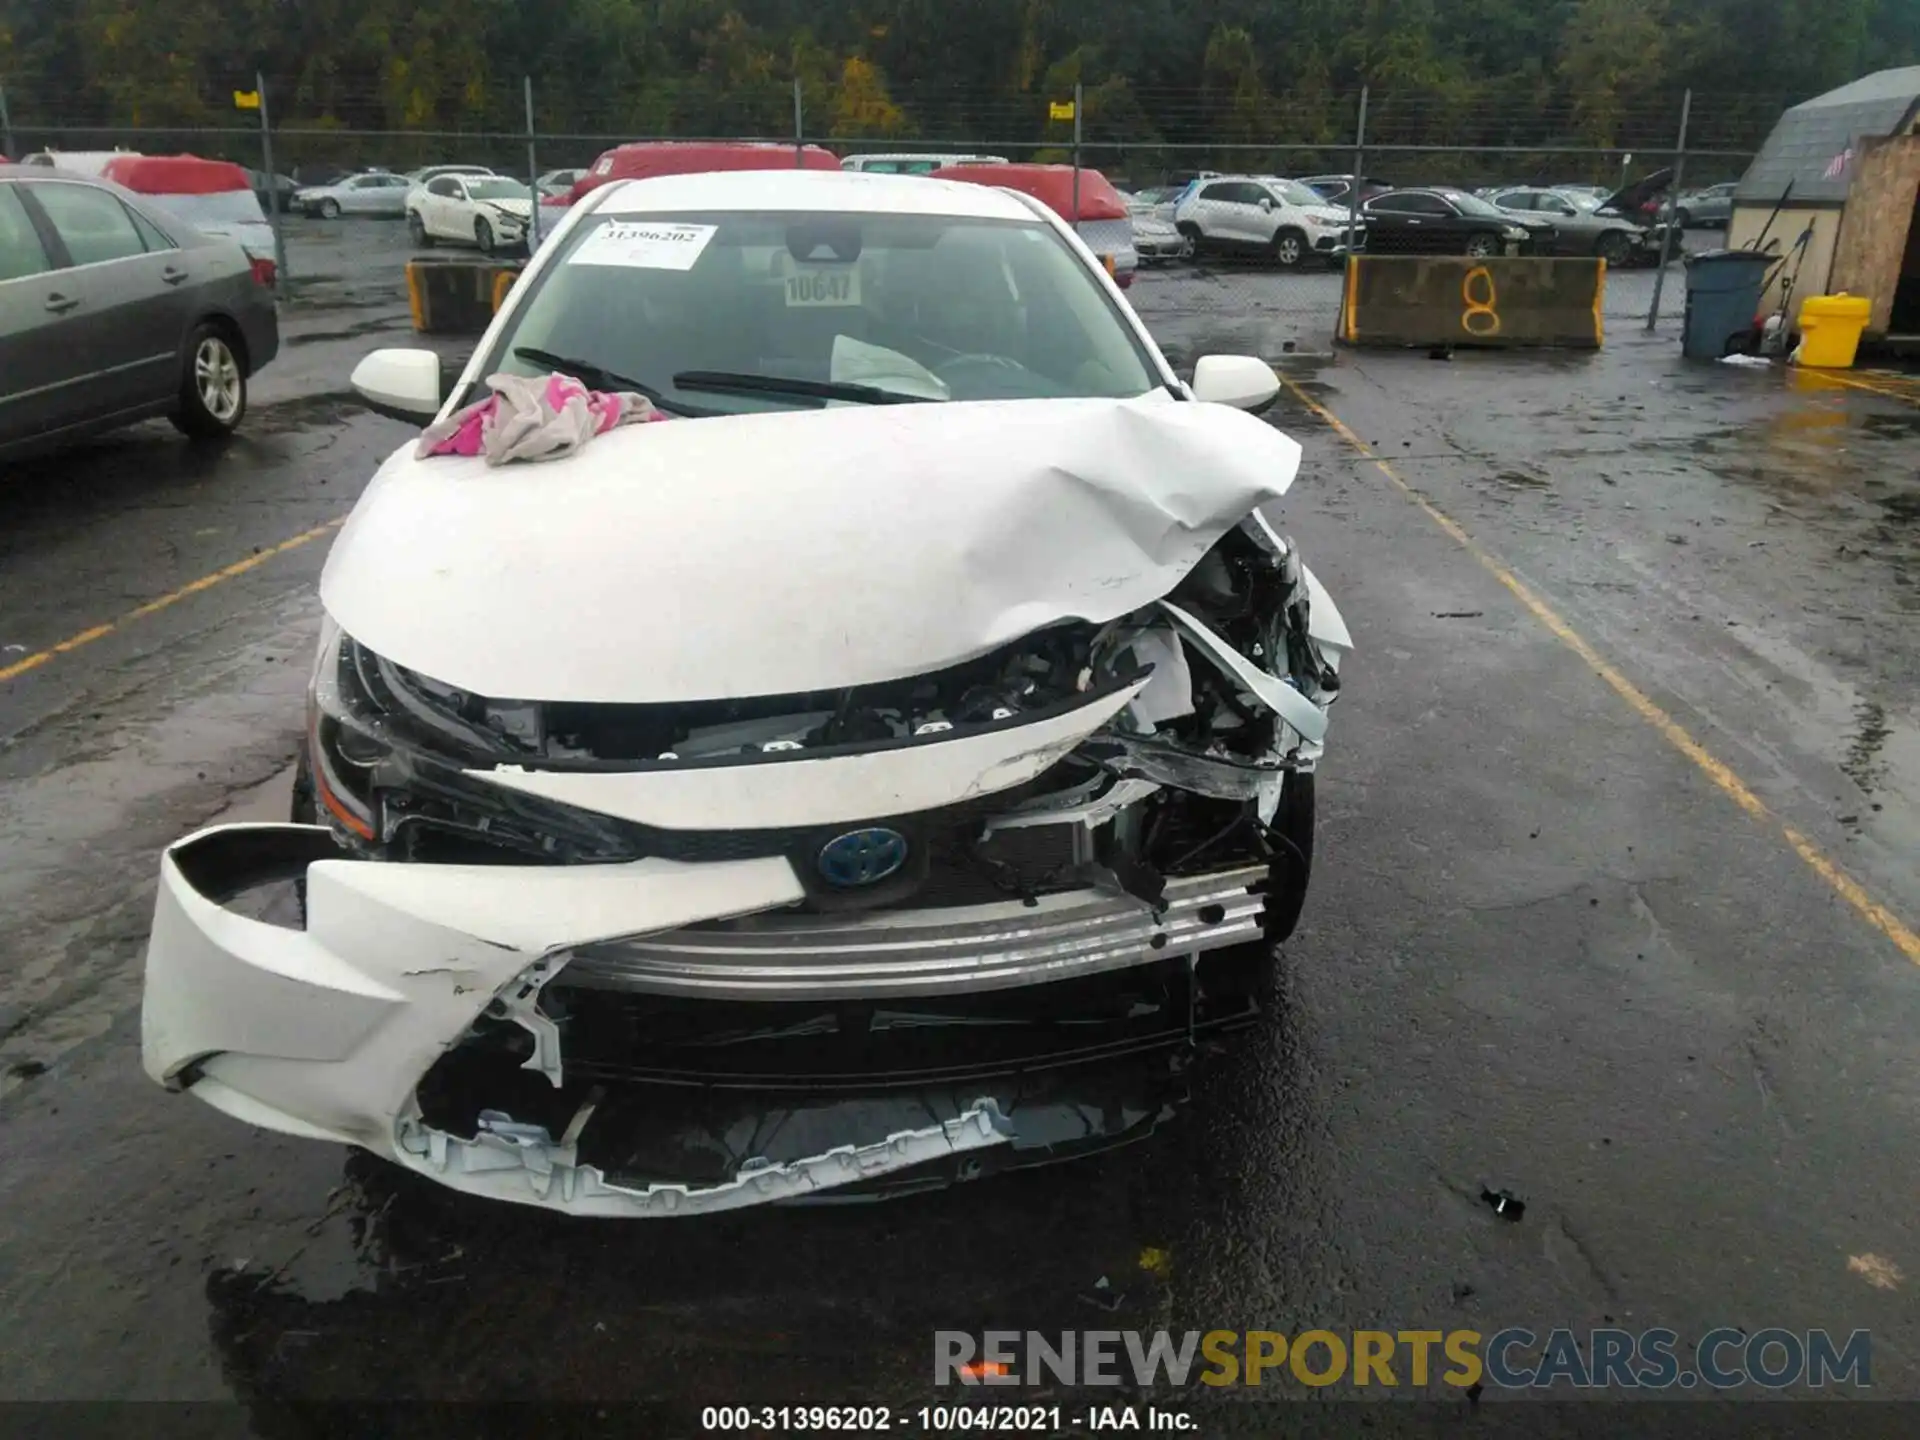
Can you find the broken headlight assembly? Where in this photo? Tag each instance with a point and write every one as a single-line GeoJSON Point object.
{"type": "Point", "coordinates": [389, 748]}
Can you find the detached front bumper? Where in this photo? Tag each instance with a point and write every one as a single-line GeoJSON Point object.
{"type": "Point", "coordinates": [332, 1031]}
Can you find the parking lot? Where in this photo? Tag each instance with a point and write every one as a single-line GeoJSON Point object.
{"type": "Point", "coordinates": [1614, 910]}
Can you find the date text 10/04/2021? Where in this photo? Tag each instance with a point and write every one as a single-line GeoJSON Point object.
{"type": "Point", "coordinates": [938, 1419]}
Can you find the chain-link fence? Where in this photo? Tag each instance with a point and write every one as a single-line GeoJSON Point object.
{"type": "Point", "coordinates": [1234, 272]}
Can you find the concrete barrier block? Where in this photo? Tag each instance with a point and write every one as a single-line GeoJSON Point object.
{"type": "Point", "coordinates": [1504, 301]}
{"type": "Point", "coordinates": [455, 295]}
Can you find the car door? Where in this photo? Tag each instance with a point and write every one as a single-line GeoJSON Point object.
{"type": "Point", "coordinates": [1397, 225]}
{"type": "Point", "coordinates": [40, 373]}
{"type": "Point", "coordinates": [1212, 210]}
{"type": "Point", "coordinates": [1257, 211]}
{"type": "Point", "coordinates": [1438, 227]}
{"type": "Point", "coordinates": [439, 204]}
{"type": "Point", "coordinates": [457, 209]}
{"type": "Point", "coordinates": [129, 291]}
{"type": "Point", "coordinates": [363, 195]}
{"type": "Point", "coordinates": [1520, 202]}
{"type": "Point", "coordinates": [390, 195]}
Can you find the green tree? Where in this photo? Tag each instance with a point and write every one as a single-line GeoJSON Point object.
{"type": "Point", "coordinates": [1610, 52]}
{"type": "Point", "coordinates": [861, 106]}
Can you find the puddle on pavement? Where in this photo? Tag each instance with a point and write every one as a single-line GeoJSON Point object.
{"type": "Point", "coordinates": [1829, 448]}
{"type": "Point", "coordinates": [1864, 735]}
{"type": "Point", "coordinates": [305, 413]}
{"type": "Point", "coordinates": [378, 326]}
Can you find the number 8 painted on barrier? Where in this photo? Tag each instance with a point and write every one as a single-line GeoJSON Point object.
{"type": "Point", "coordinates": [1480, 319]}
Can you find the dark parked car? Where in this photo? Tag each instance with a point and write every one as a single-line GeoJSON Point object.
{"type": "Point", "coordinates": [1583, 230]}
{"type": "Point", "coordinates": [112, 311]}
{"type": "Point", "coordinates": [1449, 222]}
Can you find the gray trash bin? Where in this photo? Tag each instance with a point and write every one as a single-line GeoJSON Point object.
{"type": "Point", "coordinates": [1723, 294]}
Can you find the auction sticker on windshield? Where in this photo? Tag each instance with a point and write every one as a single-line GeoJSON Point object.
{"type": "Point", "coordinates": [815, 285]}
{"type": "Point", "coordinates": [644, 245]}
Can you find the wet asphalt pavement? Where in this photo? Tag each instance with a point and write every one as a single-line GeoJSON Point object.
{"type": "Point", "coordinates": [1611, 797]}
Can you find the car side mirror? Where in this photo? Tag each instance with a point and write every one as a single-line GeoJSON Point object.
{"type": "Point", "coordinates": [1245, 382]}
{"type": "Point", "coordinates": [1266, 202]}
{"type": "Point", "coordinates": [400, 384]}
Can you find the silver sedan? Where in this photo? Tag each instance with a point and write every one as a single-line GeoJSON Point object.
{"type": "Point", "coordinates": [377, 193]}
{"type": "Point", "coordinates": [113, 311]}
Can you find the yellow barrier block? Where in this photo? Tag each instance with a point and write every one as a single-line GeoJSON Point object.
{"type": "Point", "coordinates": [1503, 301]}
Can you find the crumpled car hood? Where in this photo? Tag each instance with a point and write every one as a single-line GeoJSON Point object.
{"type": "Point", "coordinates": [797, 551]}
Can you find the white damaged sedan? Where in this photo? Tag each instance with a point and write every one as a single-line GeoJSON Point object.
{"type": "Point", "coordinates": [927, 700]}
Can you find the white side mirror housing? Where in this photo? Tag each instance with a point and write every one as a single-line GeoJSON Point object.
{"type": "Point", "coordinates": [1245, 382]}
{"type": "Point", "coordinates": [400, 384]}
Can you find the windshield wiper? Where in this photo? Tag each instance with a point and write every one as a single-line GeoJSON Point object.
{"type": "Point", "coordinates": [745, 384]}
{"type": "Point", "coordinates": [598, 377]}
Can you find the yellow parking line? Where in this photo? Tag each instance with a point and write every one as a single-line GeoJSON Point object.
{"type": "Point", "coordinates": [194, 587]}
{"type": "Point", "coordinates": [1856, 383]}
{"type": "Point", "coordinates": [1730, 784]}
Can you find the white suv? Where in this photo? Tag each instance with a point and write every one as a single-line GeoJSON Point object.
{"type": "Point", "coordinates": [1264, 215]}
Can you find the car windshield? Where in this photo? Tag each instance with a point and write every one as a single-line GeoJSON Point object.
{"type": "Point", "coordinates": [1473, 205]}
{"type": "Point", "coordinates": [491, 189]}
{"type": "Point", "coordinates": [229, 207]}
{"type": "Point", "coordinates": [923, 307]}
{"type": "Point", "coordinates": [1295, 193]}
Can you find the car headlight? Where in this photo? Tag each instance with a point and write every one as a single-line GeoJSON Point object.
{"type": "Point", "coordinates": [374, 727]}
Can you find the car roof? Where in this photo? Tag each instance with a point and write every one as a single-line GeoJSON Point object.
{"type": "Point", "coordinates": [1052, 185]}
{"type": "Point", "coordinates": [849, 191]}
{"type": "Point", "coordinates": [176, 175]}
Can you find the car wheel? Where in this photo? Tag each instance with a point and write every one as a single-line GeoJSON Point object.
{"type": "Point", "coordinates": [483, 235]}
{"type": "Point", "coordinates": [329, 209]}
{"type": "Point", "coordinates": [1683, 218]}
{"type": "Point", "coordinates": [1482, 247]}
{"type": "Point", "coordinates": [1615, 248]}
{"type": "Point", "coordinates": [1289, 248]}
{"type": "Point", "coordinates": [213, 386]}
{"type": "Point", "coordinates": [1196, 242]}
{"type": "Point", "coordinates": [417, 231]}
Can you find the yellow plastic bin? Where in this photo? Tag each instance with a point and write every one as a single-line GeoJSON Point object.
{"type": "Point", "coordinates": [1830, 329]}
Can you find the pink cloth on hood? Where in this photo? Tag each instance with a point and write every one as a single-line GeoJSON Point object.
{"type": "Point", "coordinates": [538, 418]}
